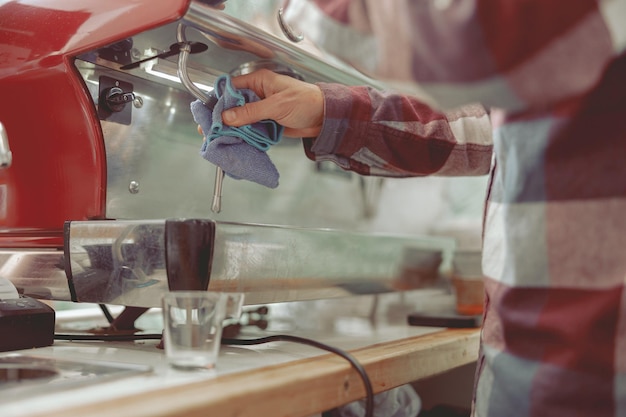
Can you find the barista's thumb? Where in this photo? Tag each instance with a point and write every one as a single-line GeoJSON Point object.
{"type": "Point", "coordinates": [244, 115]}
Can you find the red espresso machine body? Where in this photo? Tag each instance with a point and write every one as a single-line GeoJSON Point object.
{"type": "Point", "coordinates": [56, 166]}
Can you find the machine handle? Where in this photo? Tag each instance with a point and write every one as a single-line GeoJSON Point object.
{"type": "Point", "coordinates": [185, 50]}
{"type": "Point", "coordinates": [189, 245]}
{"type": "Point", "coordinates": [287, 30]}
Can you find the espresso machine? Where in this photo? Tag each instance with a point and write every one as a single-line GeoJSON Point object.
{"type": "Point", "coordinates": [103, 196]}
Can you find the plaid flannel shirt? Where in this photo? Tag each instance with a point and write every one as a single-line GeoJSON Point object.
{"type": "Point", "coordinates": [553, 73]}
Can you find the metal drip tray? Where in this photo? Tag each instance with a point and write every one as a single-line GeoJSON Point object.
{"type": "Point", "coordinates": [25, 375]}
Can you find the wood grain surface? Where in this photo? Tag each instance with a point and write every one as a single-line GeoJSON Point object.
{"type": "Point", "coordinates": [298, 388]}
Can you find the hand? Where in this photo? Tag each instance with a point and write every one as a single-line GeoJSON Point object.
{"type": "Point", "coordinates": [294, 104]}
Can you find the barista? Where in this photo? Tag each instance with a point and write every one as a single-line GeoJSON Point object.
{"type": "Point", "coordinates": [554, 332]}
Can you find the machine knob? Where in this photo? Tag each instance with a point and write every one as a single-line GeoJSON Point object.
{"type": "Point", "coordinates": [115, 99]}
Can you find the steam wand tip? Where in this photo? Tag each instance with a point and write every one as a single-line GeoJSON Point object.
{"type": "Point", "coordinates": [217, 190]}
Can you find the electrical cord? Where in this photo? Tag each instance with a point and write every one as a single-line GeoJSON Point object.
{"type": "Point", "coordinates": [369, 392]}
{"type": "Point", "coordinates": [107, 337]}
{"type": "Point", "coordinates": [106, 312]}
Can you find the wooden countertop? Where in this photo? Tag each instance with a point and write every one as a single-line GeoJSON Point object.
{"type": "Point", "coordinates": [296, 388]}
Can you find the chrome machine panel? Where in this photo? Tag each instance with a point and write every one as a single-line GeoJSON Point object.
{"type": "Point", "coordinates": [154, 167]}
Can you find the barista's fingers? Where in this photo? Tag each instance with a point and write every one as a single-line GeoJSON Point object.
{"type": "Point", "coordinates": [262, 82]}
{"type": "Point", "coordinates": [296, 105]}
{"type": "Point", "coordinates": [201, 133]}
{"type": "Point", "coordinates": [248, 114]}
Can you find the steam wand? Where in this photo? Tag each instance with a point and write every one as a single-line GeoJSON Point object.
{"type": "Point", "coordinates": [185, 50]}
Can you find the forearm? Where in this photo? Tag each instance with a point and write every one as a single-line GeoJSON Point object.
{"type": "Point", "coordinates": [375, 133]}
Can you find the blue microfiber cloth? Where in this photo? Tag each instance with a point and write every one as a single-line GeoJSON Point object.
{"type": "Point", "coordinates": [239, 151]}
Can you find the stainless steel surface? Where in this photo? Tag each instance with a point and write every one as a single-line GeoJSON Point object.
{"type": "Point", "coordinates": [23, 375]}
{"type": "Point", "coordinates": [124, 262]}
{"type": "Point", "coordinates": [162, 131]}
{"type": "Point", "coordinates": [243, 41]}
{"type": "Point", "coordinates": [36, 273]}
{"type": "Point", "coordinates": [249, 67]}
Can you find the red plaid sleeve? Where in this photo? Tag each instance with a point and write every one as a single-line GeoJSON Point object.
{"type": "Point", "coordinates": [376, 133]}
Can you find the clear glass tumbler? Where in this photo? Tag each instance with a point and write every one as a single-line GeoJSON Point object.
{"type": "Point", "coordinates": [193, 327]}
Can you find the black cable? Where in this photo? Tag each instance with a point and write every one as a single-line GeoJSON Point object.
{"type": "Point", "coordinates": [369, 392]}
{"type": "Point", "coordinates": [106, 313]}
{"type": "Point", "coordinates": [107, 337]}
